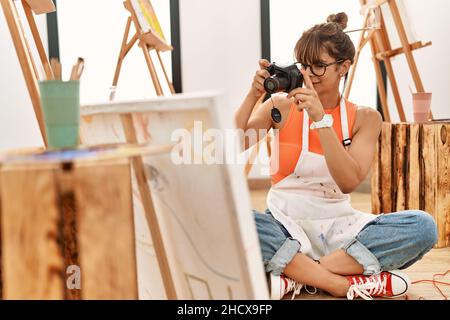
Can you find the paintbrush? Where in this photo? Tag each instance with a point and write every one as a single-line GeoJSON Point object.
{"type": "Point", "coordinates": [77, 70]}
{"type": "Point", "coordinates": [56, 67]}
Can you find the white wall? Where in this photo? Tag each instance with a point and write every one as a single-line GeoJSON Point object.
{"type": "Point", "coordinates": [220, 46]}
{"type": "Point", "coordinates": [18, 125]}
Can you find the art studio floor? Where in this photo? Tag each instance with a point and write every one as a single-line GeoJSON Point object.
{"type": "Point", "coordinates": [437, 261]}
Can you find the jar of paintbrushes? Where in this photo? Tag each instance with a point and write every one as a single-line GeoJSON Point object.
{"type": "Point", "coordinates": [60, 103]}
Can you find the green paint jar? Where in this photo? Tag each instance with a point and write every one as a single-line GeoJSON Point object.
{"type": "Point", "coordinates": [60, 103]}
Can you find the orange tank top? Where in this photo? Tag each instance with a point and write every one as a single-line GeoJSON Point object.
{"type": "Point", "coordinates": [290, 138]}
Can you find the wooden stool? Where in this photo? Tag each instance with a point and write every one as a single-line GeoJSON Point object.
{"type": "Point", "coordinates": [67, 229]}
{"type": "Point", "coordinates": [411, 170]}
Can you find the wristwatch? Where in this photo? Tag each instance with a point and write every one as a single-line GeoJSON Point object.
{"type": "Point", "coordinates": [326, 122]}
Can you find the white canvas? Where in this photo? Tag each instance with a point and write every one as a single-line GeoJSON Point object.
{"type": "Point", "coordinates": [204, 210]}
{"type": "Point", "coordinates": [407, 22]}
{"type": "Point", "coordinates": [140, 16]}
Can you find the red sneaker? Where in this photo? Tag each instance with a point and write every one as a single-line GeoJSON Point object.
{"type": "Point", "coordinates": [387, 284]}
{"type": "Point", "coordinates": [281, 285]}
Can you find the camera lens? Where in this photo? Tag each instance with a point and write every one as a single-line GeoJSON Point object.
{"type": "Point", "coordinates": [277, 83]}
{"type": "Point", "coordinates": [271, 85]}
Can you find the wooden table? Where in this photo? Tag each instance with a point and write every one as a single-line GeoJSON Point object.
{"type": "Point", "coordinates": [411, 170]}
{"type": "Point", "coordinates": [67, 227]}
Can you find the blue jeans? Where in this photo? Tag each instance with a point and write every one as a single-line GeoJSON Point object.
{"type": "Point", "coordinates": [391, 241]}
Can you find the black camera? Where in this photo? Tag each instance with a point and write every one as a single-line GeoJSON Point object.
{"type": "Point", "coordinates": [283, 78]}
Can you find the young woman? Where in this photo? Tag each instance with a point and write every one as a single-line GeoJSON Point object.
{"type": "Point", "coordinates": [310, 234]}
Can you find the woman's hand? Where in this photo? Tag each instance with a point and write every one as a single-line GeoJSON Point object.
{"type": "Point", "coordinates": [308, 99]}
{"type": "Point", "coordinates": [257, 89]}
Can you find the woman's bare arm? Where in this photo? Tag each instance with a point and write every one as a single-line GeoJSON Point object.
{"type": "Point", "coordinates": [349, 168]}
{"type": "Point", "coordinates": [260, 118]}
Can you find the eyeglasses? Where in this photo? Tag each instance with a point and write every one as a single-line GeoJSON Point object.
{"type": "Point", "coordinates": [319, 69]}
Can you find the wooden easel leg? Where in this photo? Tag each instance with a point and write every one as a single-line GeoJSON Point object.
{"type": "Point", "coordinates": [383, 44]}
{"type": "Point", "coordinates": [120, 60]}
{"type": "Point", "coordinates": [130, 44]}
{"type": "Point", "coordinates": [395, 92]}
{"type": "Point", "coordinates": [269, 144]}
{"type": "Point", "coordinates": [361, 44]}
{"type": "Point", "coordinates": [21, 28]}
{"type": "Point", "coordinates": [25, 61]}
{"type": "Point", "coordinates": [38, 41]}
{"type": "Point", "coordinates": [406, 48]}
{"type": "Point", "coordinates": [152, 70]}
{"type": "Point", "coordinates": [251, 158]}
{"type": "Point", "coordinates": [147, 202]}
{"type": "Point", "coordinates": [172, 89]}
{"type": "Point", "coordinates": [381, 88]}
{"type": "Point", "coordinates": [255, 151]}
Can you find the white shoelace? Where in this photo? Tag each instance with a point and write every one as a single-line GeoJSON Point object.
{"type": "Point", "coordinates": [293, 286]}
{"type": "Point", "coordinates": [374, 285]}
{"type": "Point", "coordinates": [312, 292]}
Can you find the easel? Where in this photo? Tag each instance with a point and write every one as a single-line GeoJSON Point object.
{"type": "Point", "coordinates": [255, 151]}
{"type": "Point", "coordinates": [382, 51]}
{"type": "Point", "coordinates": [147, 42]}
{"type": "Point", "coordinates": [256, 148]}
{"type": "Point", "coordinates": [23, 50]}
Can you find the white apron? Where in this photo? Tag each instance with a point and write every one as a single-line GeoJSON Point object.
{"type": "Point", "coordinates": [311, 206]}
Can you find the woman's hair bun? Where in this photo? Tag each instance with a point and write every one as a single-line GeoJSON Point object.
{"type": "Point", "coordinates": [341, 18]}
